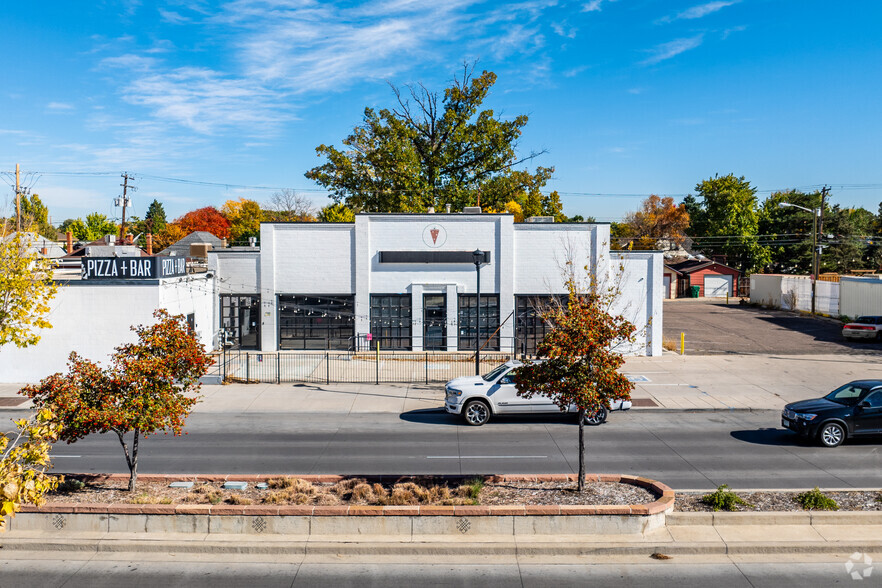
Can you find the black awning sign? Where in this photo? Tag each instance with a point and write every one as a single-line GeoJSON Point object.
{"type": "Point", "coordinates": [133, 268]}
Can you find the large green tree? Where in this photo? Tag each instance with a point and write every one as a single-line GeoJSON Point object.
{"type": "Point", "coordinates": [729, 222]}
{"type": "Point", "coordinates": [35, 217]}
{"type": "Point", "coordinates": [847, 234]}
{"type": "Point", "coordinates": [432, 150]}
{"type": "Point", "coordinates": [154, 220]}
{"type": "Point", "coordinates": [788, 231]}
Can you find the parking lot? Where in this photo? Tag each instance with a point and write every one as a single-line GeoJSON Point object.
{"type": "Point", "coordinates": [713, 327]}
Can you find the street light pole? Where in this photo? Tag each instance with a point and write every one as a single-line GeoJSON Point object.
{"type": "Point", "coordinates": [816, 258]}
{"type": "Point", "coordinates": [478, 257]}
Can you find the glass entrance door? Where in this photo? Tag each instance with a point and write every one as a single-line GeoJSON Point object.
{"type": "Point", "coordinates": [435, 322]}
{"type": "Point", "coordinates": [240, 318]}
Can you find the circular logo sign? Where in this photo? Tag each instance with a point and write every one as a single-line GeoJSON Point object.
{"type": "Point", "coordinates": [434, 236]}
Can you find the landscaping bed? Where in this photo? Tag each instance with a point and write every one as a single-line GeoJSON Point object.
{"type": "Point", "coordinates": [781, 501]}
{"type": "Point", "coordinates": [284, 491]}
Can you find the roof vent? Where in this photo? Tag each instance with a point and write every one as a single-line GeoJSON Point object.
{"type": "Point", "coordinates": [431, 210]}
{"type": "Point", "coordinates": [540, 219]}
{"type": "Point", "coordinates": [471, 210]}
{"type": "Point", "coordinates": [447, 208]}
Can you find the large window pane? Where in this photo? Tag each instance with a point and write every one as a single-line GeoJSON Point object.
{"type": "Point", "coordinates": [391, 320]}
{"type": "Point", "coordinates": [316, 322]}
{"type": "Point", "coordinates": [470, 318]}
{"type": "Point", "coordinates": [530, 328]}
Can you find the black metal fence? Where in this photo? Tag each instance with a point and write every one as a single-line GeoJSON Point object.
{"type": "Point", "coordinates": [343, 367]}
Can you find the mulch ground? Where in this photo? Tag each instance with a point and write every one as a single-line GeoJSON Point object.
{"type": "Point", "coordinates": [782, 501]}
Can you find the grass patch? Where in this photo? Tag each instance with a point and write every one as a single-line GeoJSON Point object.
{"type": "Point", "coordinates": [724, 499]}
{"type": "Point", "coordinates": [670, 344]}
{"type": "Point", "coordinates": [814, 499]}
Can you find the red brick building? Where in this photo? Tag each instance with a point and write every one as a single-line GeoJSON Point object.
{"type": "Point", "coordinates": [713, 279]}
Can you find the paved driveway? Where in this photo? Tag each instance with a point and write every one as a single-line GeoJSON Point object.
{"type": "Point", "coordinates": [713, 327]}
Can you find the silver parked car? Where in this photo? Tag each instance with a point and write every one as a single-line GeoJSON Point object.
{"type": "Point", "coordinates": [864, 327]}
{"type": "Point", "coordinates": [476, 398]}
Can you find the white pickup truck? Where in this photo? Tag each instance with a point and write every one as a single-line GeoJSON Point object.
{"type": "Point", "coordinates": [476, 398]}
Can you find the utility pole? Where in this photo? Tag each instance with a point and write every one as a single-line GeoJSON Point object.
{"type": "Point", "coordinates": [17, 199]}
{"type": "Point", "coordinates": [125, 186]}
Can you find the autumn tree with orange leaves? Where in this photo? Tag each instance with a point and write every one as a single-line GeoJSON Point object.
{"type": "Point", "coordinates": [208, 219]}
{"type": "Point", "coordinates": [582, 365]}
{"type": "Point", "coordinates": [150, 386]}
{"type": "Point", "coordinates": [658, 219]}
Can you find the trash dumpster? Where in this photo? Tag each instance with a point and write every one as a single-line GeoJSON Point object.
{"type": "Point", "coordinates": [693, 291]}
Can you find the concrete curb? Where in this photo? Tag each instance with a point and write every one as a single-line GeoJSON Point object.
{"type": "Point", "coordinates": [471, 548]}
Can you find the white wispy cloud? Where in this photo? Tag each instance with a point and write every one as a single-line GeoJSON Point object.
{"type": "Point", "coordinates": [592, 6]}
{"type": "Point", "coordinates": [206, 101]}
{"type": "Point", "coordinates": [282, 51]}
{"type": "Point", "coordinates": [59, 107]}
{"type": "Point", "coordinates": [700, 10]}
{"type": "Point", "coordinates": [564, 30]}
{"type": "Point", "coordinates": [732, 30]}
{"type": "Point", "coordinates": [672, 49]}
{"type": "Point", "coordinates": [172, 17]}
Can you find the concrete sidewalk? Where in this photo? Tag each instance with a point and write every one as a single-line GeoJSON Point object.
{"type": "Point", "coordinates": [674, 382]}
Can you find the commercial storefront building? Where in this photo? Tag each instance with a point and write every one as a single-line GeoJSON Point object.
{"type": "Point", "coordinates": [409, 283]}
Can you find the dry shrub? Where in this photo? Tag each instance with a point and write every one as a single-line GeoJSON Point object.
{"type": "Point", "coordinates": [297, 485]}
{"type": "Point", "coordinates": [670, 344]}
{"type": "Point", "coordinates": [145, 498]}
{"type": "Point", "coordinates": [276, 498]}
{"type": "Point", "coordinates": [238, 499]}
{"type": "Point", "coordinates": [205, 494]}
{"type": "Point", "coordinates": [401, 497]}
{"type": "Point", "coordinates": [344, 488]}
{"type": "Point", "coordinates": [380, 493]}
{"type": "Point", "coordinates": [299, 498]}
{"type": "Point", "coordinates": [327, 500]}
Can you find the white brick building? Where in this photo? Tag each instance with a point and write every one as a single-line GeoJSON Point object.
{"type": "Point", "coordinates": [408, 280]}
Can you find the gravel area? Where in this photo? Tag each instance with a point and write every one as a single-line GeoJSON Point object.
{"type": "Point", "coordinates": [781, 501]}
{"type": "Point", "coordinates": [564, 493]}
{"type": "Point", "coordinates": [358, 492]}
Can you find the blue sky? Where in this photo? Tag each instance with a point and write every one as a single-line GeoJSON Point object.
{"type": "Point", "coordinates": [628, 97]}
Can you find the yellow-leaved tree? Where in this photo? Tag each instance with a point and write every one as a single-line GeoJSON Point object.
{"type": "Point", "coordinates": [26, 287]}
{"type": "Point", "coordinates": [24, 462]}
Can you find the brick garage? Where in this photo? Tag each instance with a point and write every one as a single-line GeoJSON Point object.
{"type": "Point", "coordinates": [713, 279]}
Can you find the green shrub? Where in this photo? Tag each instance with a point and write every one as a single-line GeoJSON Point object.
{"type": "Point", "coordinates": [723, 499]}
{"type": "Point", "coordinates": [816, 500]}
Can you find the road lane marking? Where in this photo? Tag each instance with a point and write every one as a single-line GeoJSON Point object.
{"type": "Point", "coordinates": [486, 457]}
{"type": "Point", "coordinates": [52, 455]}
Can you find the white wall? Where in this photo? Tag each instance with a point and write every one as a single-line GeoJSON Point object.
{"type": "Point", "coordinates": [541, 253]}
{"type": "Point", "coordinates": [240, 270]}
{"type": "Point", "coordinates": [860, 296]}
{"type": "Point", "coordinates": [343, 258]}
{"type": "Point", "coordinates": [637, 276]}
{"type": "Point", "coordinates": [93, 319]}
{"type": "Point", "coordinates": [777, 291]}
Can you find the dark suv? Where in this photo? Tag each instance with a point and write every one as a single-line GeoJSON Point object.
{"type": "Point", "coordinates": [852, 409]}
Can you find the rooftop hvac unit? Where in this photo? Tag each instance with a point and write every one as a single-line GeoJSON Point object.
{"type": "Point", "coordinates": [540, 219]}
{"type": "Point", "coordinates": [471, 210]}
{"type": "Point", "coordinates": [199, 249]}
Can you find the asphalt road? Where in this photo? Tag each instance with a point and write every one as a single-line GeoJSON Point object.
{"type": "Point", "coordinates": [697, 450]}
{"type": "Point", "coordinates": [712, 327]}
{"type": "Point", "coordinates": [53, 571]}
